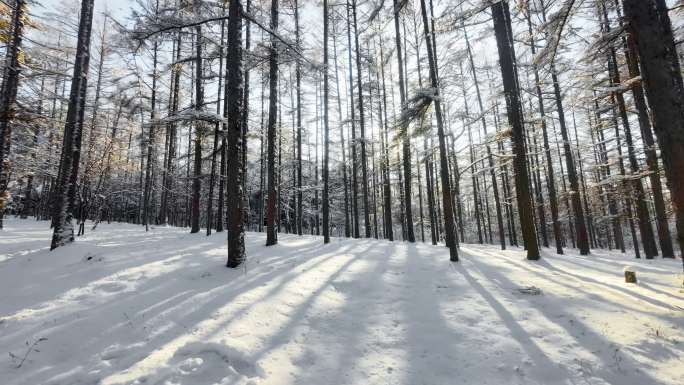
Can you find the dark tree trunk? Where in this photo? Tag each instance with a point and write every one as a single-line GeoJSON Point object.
{"type": "Point", "coordinates": [215, 148]}
{"type": "Point", "coordinates": [427, 155]}
{"type": "Point", "coordinates": [504, 39]}
{"type": "Point", "coordinates": [553, 199]}
{"type": "Point", "coordinates": [643, 217]}
{"type": "Point", "coordinates": [347, 225]}
{"type": "Point", "coordinates": [384, 164]}
{"type": "Point", "coordinates": [73, 131]}
{"type": "Point", "coordinates": [8, 97]}
{"type": "Point", "coordinates": [151, 136]}
{"type": "Point", "coordinates": [352, 112]}
{"type": "Point", "coordinates": [271, 235]}
{"type": "Point", "coordinates": [199, 136]}
{"type": "Point", "coordinates": [233, 130]}
{"type": "Point", "coordinates": [664, 236]}
{"type": "Point", "coordinates": [298, 76]}
{"type": "Point", "coordinates": [326, 129]}
{"type": "Point", "coordinates": [405, 145]}
{"type": "Point", "coordinates": [168, 199]}
{"type": "Point", "coordinates": [362, 126]}
{"type": "Point", "coordinates": [580, 224]}
{"type": "Point", "coordinates": [448, 211]}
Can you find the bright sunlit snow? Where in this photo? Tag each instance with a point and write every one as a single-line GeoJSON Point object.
{"type": "Point", "coordinates": [121, 306]}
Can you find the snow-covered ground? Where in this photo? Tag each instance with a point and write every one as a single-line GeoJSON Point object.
{"type": "Point", "coordinates": [122, 306]}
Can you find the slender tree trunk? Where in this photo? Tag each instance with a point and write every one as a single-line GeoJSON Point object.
{"type": "Point", "coordinates": [387, 195]}
{"type": "Point", "coordinates": [355, 209]}
{"type": "Point", "coordinates": [168, 199]}
{"type": "Point", "coordinates": [86, 191]}
{"type": "Point", "coordinates": [262, 138]}
{"type": "Point", "coordinates": [444, 168]}
{"type": "Point", "coordinates": [199, 136]}
{"type": "Point", "coordinates": [347, 225]}
{"type": "Point", "coordinates": [616, 218]}
{"type": "Point", "coordinates": [298, 87]}
{"type": "Point", "coordinates": [553, 199]}
{"type": "Point", "coordinates": [362, 125]}
{"type": "Point", "coordinates": [151, 134]}
{"type": "Point", "coordinates": [427, 158]}
{"type": "Point", "coordinates": [326, 129]}
{"type": "Point", "coordinates": [580, 224]}
{"type": "Point", "coordinates": [406, 148]}
{"type": "Point", "coordinates": [271, 235]}
{"type": "Point", "coordinates": [215, 148]}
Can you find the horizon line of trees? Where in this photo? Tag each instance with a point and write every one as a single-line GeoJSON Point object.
{"type": "Point", "coordinates": [390, 122]}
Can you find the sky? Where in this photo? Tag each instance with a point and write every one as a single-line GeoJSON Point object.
{"type": "Point", "coordinates": [118, 8]}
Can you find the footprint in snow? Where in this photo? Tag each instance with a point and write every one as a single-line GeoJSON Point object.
{"type": "Point", "coordinates": [209, 363]}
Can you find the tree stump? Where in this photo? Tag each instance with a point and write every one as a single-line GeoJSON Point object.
{"type": "Point", "coordinates": [630, 276]}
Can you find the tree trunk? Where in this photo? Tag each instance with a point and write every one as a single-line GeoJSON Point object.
{"type": "Point", "coordinates": [217, 127]}
{"type": "Point", "coordinates": [504, 39]}
{"type": "Point", "coordinates": [63, 230]}
{"type": "Point", "coordinates": [271, 236]}
{"type": "Point", "coordinates": [443, 158]}
{"type": "Point", "coordinates": [406, 148]}
{"type": "Point", "coordinates": [326, 135]}
{"type": "Point", "coordinates": [362, 126]}
{"type": "Point", "coordinates": [151, 135]}
{"type": "Point", "coordinates": [234, 87]}
{"type": "Point", "coordinates": [347, 225]}
{"type": "Point", "coordinates": [664, 236]}
{"type": "Point", "coordinates": [168, 199]}
{"type": "Point", "coordinates": [199, 136]}
{"type": "Point", "coordinates": [298, 76]}
{"type": "Point", "coordinates": [8, 97]}
{"type": "Point", "coordinates": [643, 217]}
{"type": "Point", "coordinates": [384, 164]}
{"type": "Point", "coordinates": [352, 112]}
{"type": "Point", "coordinates": [580, 224]}
{"type": "Point", "coordinates": [553, 199]}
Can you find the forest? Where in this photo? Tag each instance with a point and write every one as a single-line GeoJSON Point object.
{"type": "Point", "coordinates": [342, 192]}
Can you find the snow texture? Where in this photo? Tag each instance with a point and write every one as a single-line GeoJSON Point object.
{"type": "Point", "coordinates": [121, 306]}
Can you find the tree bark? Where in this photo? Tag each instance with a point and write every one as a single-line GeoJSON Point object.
{"type": "Point", "coordinates": [8, 98]}
{"type": "Point", "coordinates": [63, 230]}
{"type": "Point", "coordinates": [362, 126]}
{"type": "Point", "coordinates": [663, 227]}
{"type": "Point", "coordinates": [326, 129]}
{"type": "Point", "coordinates": [553, 199]}
{"type": "Point", "coordinates": [271, 234]}
{"type": "Point", "coordinates": [217, 128]}
{"type": "Point", "coordinates": [199, 136]}
{"type": "Point", "coordinates": [405, 144]}
{"type": "Point", "coordinates": [233, 130]}
{"type": "Point", "coordinates": [443, 158]}
{"type": "Point", "coordinates": [504, 39]}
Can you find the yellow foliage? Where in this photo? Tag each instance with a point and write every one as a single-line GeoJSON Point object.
{"type": "Point", "coordinates": [6, 22]}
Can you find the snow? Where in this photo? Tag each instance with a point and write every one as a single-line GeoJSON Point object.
{"type": "Point", "coordinates": [121, 306]}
